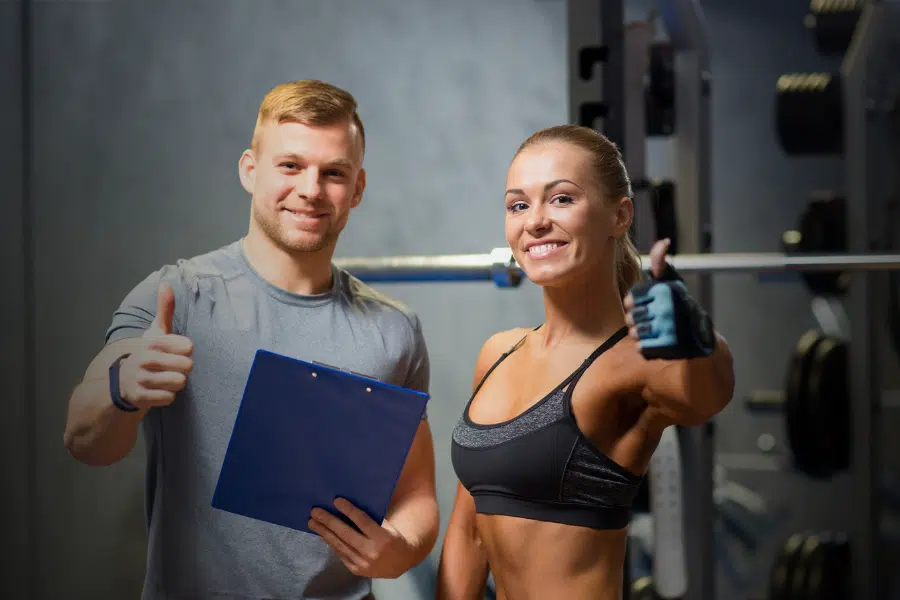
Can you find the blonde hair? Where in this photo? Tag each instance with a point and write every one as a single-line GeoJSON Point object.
{"type": "Point", "coordinates": [311, 102]}
{"type": "Point", "coordinates": [611, 177]}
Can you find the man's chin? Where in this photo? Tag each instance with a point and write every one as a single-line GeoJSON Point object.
{"type": "Point", "coordinates": [304, 243]}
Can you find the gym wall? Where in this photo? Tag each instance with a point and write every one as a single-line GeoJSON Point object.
{"type": "Point", "coordinates": [141, 112]}
{"type": "Point", "coordinates": [14, 423]}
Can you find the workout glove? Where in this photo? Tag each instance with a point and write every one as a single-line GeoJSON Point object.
{"type": "Point", "coordinates": [670, 323]}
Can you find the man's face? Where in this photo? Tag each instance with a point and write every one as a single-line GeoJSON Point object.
{"type": "Point", "coordinates": [304, 180]}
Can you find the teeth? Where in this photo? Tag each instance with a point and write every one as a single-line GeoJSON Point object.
{"type": "Point", "coordinates": [543, 248]}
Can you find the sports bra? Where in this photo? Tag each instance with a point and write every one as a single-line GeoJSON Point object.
{"type": "Point", "coordinates": [539, 465]}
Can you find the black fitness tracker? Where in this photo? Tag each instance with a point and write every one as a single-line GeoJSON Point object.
{"type": "Point", "coordinates": [114, 391]}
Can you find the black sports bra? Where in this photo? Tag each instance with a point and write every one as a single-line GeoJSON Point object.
{"type": "Point", "coordinates": [539, 465]}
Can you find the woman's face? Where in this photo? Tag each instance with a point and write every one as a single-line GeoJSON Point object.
{"type": "Point", "coordinates": [557, 223]}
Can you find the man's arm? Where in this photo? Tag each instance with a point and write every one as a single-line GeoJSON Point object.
{"type": "Point", "coordinates": [413, 510]}
{"type": "Point", "coordinates": [463, 568]}
{"type": "Point", "coordinates": [99, 433]}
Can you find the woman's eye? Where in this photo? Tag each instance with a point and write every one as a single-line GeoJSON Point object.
{"type": "Point", "coordinates": [517, 206]}
{"type": "Point", "coordinates": [564, 199]}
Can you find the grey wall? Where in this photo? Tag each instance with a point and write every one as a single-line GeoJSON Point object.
{"type": "Point", "coordinates": [142, 110]}
{"type": "Point", "coordinates": [14, 424]}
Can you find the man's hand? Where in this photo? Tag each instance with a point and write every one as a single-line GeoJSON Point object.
{"type": "Point", "coordinates": [158, 368]}
{"type": "Point", "coordinates": [664, 318]}
{"type": "Point", "coordinates": [378, 552]}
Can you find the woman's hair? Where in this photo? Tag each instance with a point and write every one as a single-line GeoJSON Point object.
{"type": "Point", "coordinates": [611, 178]}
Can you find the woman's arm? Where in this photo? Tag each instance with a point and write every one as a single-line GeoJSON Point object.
{"type": "Point", "coordinates": [691, 391]}
{"type": "Point", "coordinates": [463, 569]}
{"type": "Point", "coordinates": [691, 381]}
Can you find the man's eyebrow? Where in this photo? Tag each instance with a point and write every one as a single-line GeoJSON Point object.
{"type": "Point", "coordinates": [547, 187]}
{"type": "Point", "coordinates": [338, 162]}
{"type": "Point", "coordinates": [342, 162]}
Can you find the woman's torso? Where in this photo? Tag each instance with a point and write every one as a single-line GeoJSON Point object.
{"type": "Point", "coordinates": [553, 446]}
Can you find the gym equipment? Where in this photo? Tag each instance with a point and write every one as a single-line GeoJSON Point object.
{"type": "Point", "coordinates": [500, 267]}
{"type": "Point", "coordinates": [812, 566]}
{"type": "Point", "coordinates": [659, 96]}
{"type": "Point", "coordinates": [832, 23]}
{"type": "Point", "coordinates": [809, 115]}
{"type": "Point", "coordinates": [816, 405]}
{"type": "Point", "coordinates": [822, 229]}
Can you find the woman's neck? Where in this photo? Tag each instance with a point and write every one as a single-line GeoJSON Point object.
{"type": "Point", "coordinates": [585, 312]}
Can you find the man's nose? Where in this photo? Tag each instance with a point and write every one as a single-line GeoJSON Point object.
{"type": "Point", "coordinates": [307, 184]}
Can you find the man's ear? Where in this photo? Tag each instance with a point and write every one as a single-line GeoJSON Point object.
{"type": "Point", "coordinates": [624, 215]}
{"type": "Point", "coordinates": [360, 188]}
{"type": "Point", "coordinates": [247, 170]}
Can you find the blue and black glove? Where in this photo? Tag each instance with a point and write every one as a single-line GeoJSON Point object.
{"type": "Point", "coordinates": [670, 323]}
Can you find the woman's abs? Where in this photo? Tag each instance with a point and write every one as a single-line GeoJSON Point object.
{"type": "Point", "coordinates": [537, 560]}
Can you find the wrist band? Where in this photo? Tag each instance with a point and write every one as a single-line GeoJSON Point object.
{"type": "Point", "coordinates": [114, 391]}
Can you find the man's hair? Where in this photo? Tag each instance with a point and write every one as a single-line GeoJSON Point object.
{"type": "Point", "coordinates": [310, 102]}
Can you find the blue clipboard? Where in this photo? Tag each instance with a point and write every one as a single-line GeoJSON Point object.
{"type": "Point", "coordinates": [306, 434]}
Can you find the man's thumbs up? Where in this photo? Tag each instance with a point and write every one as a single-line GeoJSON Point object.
{"type": "Point", "coordinates": [165, 309]}
{"type": "Point", "coordinates": [157, 370]}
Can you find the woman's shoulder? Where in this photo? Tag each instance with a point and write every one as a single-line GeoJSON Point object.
{"type": "Point", "coordinates": [494, 347]}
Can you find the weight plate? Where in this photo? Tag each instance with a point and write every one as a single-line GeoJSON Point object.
{"type": "Point", "coordinates": [642, 589]}
{"type": "Point", "coordinates": [823, 230]}
{"type": "Point", "coordinates": [804, 564]}
{"type": "Point", "coordinates": [796, 391]}
{"type": "Point", "coordinates": [832, 567]}
{"type": "Point", "coordinates": [782, 570]}
{"type": "Point", "coordinates": [828, 407]}
{"type": "Point", "coordinates": [837, 569]}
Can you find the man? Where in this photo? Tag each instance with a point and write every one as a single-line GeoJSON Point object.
{"type": "Point", "coordinates": [180, 348]}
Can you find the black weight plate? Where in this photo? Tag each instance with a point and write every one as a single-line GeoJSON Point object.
{"type": "Point", "coordinates": [823, 230]}
{"type": "Point", "coordinates": [803, 562]}
{"type": "Point", "coordinates": [837, 569]}
{"type": "Point", "coordinates": [826, 581]}
{"type": "Point", "coordinates": [804, 575]}
{"type": "Point", "coordinates": [795, 409]}
{"type": "Point", "coordinates": [782, 570]}
{"type": "Point", "coordinates": [829, 407]}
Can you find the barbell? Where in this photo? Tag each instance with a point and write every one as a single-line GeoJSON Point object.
{"type": "Point", "coordinates": [500, 266]}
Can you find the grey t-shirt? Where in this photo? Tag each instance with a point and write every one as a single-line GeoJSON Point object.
{"type": "Point", "coordinates": [229, 311]}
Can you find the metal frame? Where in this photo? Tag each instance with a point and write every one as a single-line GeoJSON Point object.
{"type": "Point", "coordinates": [500, 267]}
{"type": "Point", "coordinates": [870, 162]}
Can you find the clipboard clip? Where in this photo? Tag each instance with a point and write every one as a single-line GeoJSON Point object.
{"type": "Point", "coordinates": [327, 366]}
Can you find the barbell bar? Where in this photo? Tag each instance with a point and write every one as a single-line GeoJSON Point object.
{"type": "Point", "coordinates": [500, 266]}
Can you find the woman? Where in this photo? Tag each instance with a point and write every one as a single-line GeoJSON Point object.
{"type": "Point", "coordinates": [557, 436]}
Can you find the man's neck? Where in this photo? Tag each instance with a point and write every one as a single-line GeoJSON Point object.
{"type": "Point", "coordinates": [303, 273]}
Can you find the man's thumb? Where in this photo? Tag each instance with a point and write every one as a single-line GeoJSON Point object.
{"type": "Point", "coordinates": [165, 308]}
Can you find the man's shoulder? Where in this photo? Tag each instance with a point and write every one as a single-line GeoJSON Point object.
{"type": "Point", "coordinates": [222, 262]}
{"type": "Point", "coordinates": [375, 302]}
